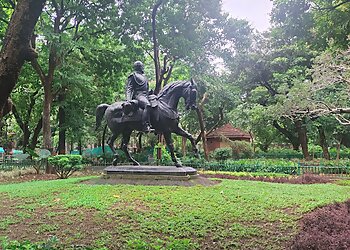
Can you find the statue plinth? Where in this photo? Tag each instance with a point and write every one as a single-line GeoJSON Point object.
{"type": "Point", "coordinates": [150, 172]}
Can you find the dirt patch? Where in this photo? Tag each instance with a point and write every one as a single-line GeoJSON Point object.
{"type": "Point", "coordinates": [27, 177]}
{"type": "Point", "coordinates": [73, 226]}
{"type": "Point", "coordinates": [203, 181]}
{"type": "Point", "coordinates": [303, 179]}
{"type": "Point", "coordinates": [326, 228]}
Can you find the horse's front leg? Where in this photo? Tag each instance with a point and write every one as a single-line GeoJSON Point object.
{"type": "Point", "coordinates": [170, 145]}
{"type": "Point", "coordinates": [124, 147]}
{"type": "Point", "coordinates": [181, 132]}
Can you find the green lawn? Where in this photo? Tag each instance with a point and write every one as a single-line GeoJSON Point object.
{"type": "Point", "coordinates": [232, 214]}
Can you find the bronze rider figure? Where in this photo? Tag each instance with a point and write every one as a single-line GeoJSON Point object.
{"type": "Point", "coordinates": [137, 89]}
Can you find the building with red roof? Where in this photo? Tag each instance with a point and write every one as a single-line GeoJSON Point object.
{"type": "Point", "coordinates": [219, 137]}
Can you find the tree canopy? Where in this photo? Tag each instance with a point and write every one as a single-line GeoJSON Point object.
{"type": "Point", "coordinates": [288, 85]}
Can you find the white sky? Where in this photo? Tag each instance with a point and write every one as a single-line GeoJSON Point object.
{"type": "Point", "coordinates": [255, 11]}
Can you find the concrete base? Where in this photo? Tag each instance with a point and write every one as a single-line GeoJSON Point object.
{"type": "Point", "coordinates": [150, 172]}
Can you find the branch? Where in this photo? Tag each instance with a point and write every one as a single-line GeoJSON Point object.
{"type": "Point", "coordinates": [342, 120]}
{"type": "Point", "coordinates": [155, 46]}
{"type": "Point", "coordinates": [333, 7]}
{"type": "Point", "coordinates": [17, 117]}
{"type": "Point", "coordinates": [269, 88]}
{"type": "Point", "coordinates": [12, 3]}
{"type": "Point", "coordinates": [32, 99]}
{"type": "Point", "coordinates": [36, 133]}
{"type": "Point", "coordinates": [38, 69]}
{"type": "Point", "coordinates": [55, 5]}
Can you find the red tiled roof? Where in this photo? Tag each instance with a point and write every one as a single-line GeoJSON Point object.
{"type": "Point", "coordinates": [228, 131]}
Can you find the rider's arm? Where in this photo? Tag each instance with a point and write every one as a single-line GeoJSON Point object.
{"type": "Point", "coordinates": [129, 89]}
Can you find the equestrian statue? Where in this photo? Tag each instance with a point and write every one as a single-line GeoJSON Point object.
{"type": "Point", "coordinates": [145, 112]}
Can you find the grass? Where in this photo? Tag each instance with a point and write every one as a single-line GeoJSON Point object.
{"type": "Point", "coordinates": [232, 214]}
{"type": "Point", "coordinates": [343, 182]}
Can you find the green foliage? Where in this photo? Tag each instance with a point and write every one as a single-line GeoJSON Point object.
{"type": "Point", "coordinates": [66, 165]}
{"type": "Point", "coordinates": [193, 161]}
{"type": "Point", "coordinates": [50, 244]}
{"type": "Point", "coordinates": [241, 149]}
{"type": "Point", "coordinates": [250, 174]}
{"type": "Point", "coordinates": [166, 157]}
{"type": "Point", "coordinates": [254, 165]}
{"type": "Point", "coordinates": [315, 151]}
{"type": "Point", "coordinates": [39, 156]}
{"type": "Point", "coordinates": [222, 154]}
{"type": "Point", "coordinates": [279, 153]}
{"type": "Point", "coordinates": [142, 156]}
{"type": "Point", "coordinates": [343, 182]}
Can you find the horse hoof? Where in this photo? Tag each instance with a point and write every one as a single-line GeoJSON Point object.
{"type": "Point", "coordinates": [115, 162]}
{"type": "Point", "coordinates": [178, 165]}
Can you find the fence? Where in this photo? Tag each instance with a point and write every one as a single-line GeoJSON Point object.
{"type": "Point", "coordinates": [336, 171]}
{"type": "Point", "coordinates": [232, 166]}
{"type": "Point", "coordinates": [296, 169]}
{"type": "Point", "coordinates": [11, 164]}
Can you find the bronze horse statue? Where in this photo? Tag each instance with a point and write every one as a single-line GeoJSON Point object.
{"type": "Point", "coordinates": [124, 117]}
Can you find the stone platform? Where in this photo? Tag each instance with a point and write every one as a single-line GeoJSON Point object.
{"type": "Point", "coordinates": [150, 172]}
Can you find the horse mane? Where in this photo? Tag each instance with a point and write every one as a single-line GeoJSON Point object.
{"type": "Point", "coordinates": [169, 87]}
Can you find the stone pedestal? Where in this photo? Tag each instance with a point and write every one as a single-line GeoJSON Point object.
{"type": "Point", "coordinates": [150, 172]}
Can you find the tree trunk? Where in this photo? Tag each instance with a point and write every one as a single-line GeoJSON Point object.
{"type": "Point", "coordinates": [139, 144]}
{"type": "Point", "coordinates": [156, 48]}
{"type": "Point", "coordinates": [184, 140]}
{"type": "Point", "coordinates": [47, 143]}
{"type": "Point", "coordinates": [339, 142]}
{"type": "Point", "coordinates": [80, 147]}
{"type": "Point", "coordinates": [24, 127]}
{"type": "Point", "coordinates": [294, 140]}
{"type": "Point", "coordinates": [36, 133]}
{"type": "Point", "coordinates": [323, 143]}
{"type": "Point", "coordinates": [204, 135]}
{"type": "Point", "coordinates": [302, 135]}
{"type": "Point", "coordinates": [62, 129]}
{"type": "Point", "coordinates": [16, 47]}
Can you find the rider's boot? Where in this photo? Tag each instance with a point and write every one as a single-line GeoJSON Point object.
{"type": "Point", "coordinates": [146, 127]}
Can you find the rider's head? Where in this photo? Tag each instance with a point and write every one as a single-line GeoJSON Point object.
{"type": "Point", "coordinates": [138, 66]}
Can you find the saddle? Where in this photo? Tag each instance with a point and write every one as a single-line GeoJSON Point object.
{"type": "Point", "coordinates": [130, 110]}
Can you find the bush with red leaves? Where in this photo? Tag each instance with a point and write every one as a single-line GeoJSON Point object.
{"type": "Point", "coordinates": [303, 179]}
{"type": "Point", "coordinates": [326, 228]}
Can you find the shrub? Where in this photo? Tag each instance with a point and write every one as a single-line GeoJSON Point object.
{"type": "Point", "coordinates": [222, 154]}
{"type": "Point", "coordinates": [193, 161]}
{"type": "Point", "coordinates": [254, 165]}
{"type": "Point", "coordinates": [280, 153]}
{"type": "Point", "coordinates": [66, 165]}
{"type": "Point", "coordinates": [39, 156]}
{"type": "Point", "coordinates": [314, 150]}
{"type": "Point", "coordinates": [241, 149]}
{"type": "Point", "coordinates": [166, 157]}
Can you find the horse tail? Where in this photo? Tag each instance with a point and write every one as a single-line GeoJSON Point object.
{"type": "Point", "coordinates": [100, 111]}
{"type": "Point", "coordinates": [103, 139]}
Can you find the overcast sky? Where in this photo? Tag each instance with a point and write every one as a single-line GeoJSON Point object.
{"type": "Point", "coordinates": [255, 11]}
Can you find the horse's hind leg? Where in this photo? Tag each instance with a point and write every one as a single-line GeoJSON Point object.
{"type": "Point", "coordinates": [181, 132]}
{"type": "Point", "coordinates": [111, 145]}
{"type": "Point", "coordinates": [124, 147]}
{"type": "Point", "coordinates": [170, 144]}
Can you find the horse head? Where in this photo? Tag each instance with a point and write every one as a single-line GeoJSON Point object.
{"type": "Point", "coordinates": [190, 95]}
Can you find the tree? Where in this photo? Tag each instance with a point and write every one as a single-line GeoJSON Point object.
{"type": "Point", "coordinates": [16, 47]}
{"type": "Point", "coordinates": [65, 26]}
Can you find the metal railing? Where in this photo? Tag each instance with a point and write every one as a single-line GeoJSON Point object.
{"type": "Point", "coordinates": [296, 169]}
